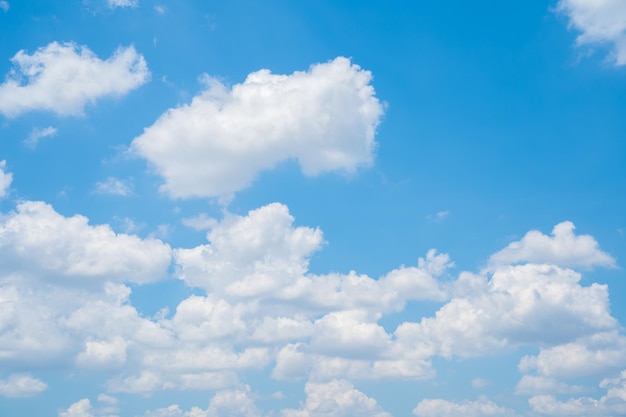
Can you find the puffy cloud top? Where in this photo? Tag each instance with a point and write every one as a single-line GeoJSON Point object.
{"type": "Point", "coordinates": [38, 239]}
{"type": "Point", "coordinates": [325, 118]}
{"type": "Point", "coordinates": [64, 78]}
{"type": "Point", "coordinates": [563, 248]}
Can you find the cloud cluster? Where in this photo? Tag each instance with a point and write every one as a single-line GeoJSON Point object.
{"type": "Point", "coordinates": [64, 78]}
{"type": "Point", "coordinates": [600, 22]}
{"type": "Point", "coordinates": [324, 118]}
{"type": "Point", "coordinates": [65, 299]}
{"type": "Point", "coordinates": [483, 407]}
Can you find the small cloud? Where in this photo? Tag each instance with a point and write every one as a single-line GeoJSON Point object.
{"type": "Point", "coordinates": [479, 383]}
{"type": "Point", "coordinates": [199, 222]}
{"type": "Point", "coordinates": [113, 186]}
{"type": "Point", "coordinates": [278, 395]}
{"type": "Point", "coordinates": [6, 178]}
{"type": "Point", "coordinates": [160, 9]}
{"type": "Point", "coordinates": [21, 386]}
{"type": "Point", "coordinates": [122, 3]}
{"type": "Point", "coordinates": [4, 5]}
{"type": "Point", "coordinates": [36, 134]}
{"type": "Point", "coordinates": [162, 232]}
{"type": "Point", "coordinates": [439, 216]}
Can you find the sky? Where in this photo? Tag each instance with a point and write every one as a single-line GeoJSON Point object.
{"type": "Point", "coordinates": [312, 208]}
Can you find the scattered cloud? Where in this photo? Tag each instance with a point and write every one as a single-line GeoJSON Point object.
{"type": "Point", "coordinates": [19, 385]}
{"type": "Point", "coordinates": [483, 407]}
{"type": "Point", "coordinates": [107, 407]}
{"type": "Point", "coordinates": [160, 9]}
{"type": "Point", "coordinates": [600, 23]}
{"type": "Point", "coordinates": [337, 398]}
{"type": "Point", "coordinates": [114, 186]}
{"type": "Point", "coordinates": [4, 5]}
{"type": "Point", "coordinates": [611, 404]}
{"type": "Point", "coordinates": [479, 383]}
{"type": "Point", "coordinates": [122, 3]}
{"type": "Point", "coordinates": [39, 133]}
{"type": "Point", "coordinates": [6, 178]}
{"type": "Point", "coordinates": [439, 216]}
{"type": "Point", "coordinates": [325, 118]}
{"type": "Point", "coordinates": [64, 78]}
{"type": "Point", "coordinates": [563, 248]}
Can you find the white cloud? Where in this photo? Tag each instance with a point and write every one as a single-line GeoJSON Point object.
{"type": "Point", "coordinates": [600, 22]}
{"type": "Point", "coordinates": [262, 255]}
{"type": "Point", "coordinates": [64, 78]}
{"type": "Point", "coordinates": [439, 216]}
{"type": "Point", "coordinates": [84, 408]}
{"type": "Point", "coordinates": [38, 239]}
{"type": "Point", "coordinates": [337, 398]}
{"type": "Point", "coordinates": [442, 408]}
{"type": "Point", "coordinates": [19, 385]}
{"type": "Point", "coordinates": [595, 354]}
{"type": "Point", "coordinates": [525, 304]}
{"type": "Point", "coordinates": [37, 133]}
{"type": "Point", "coordinates": [325, 118]}
{"type": "Point", "coordinates": [122, 3]}
{"type": "Point", "coordinates": [479, 383]}
{"type": "Point", "coordinates": [611, 404]}
{"type": "Point", "coordinates": [6, 178]}
{"type": "Point", "coordinates": [114, 186]}
{"type": "Point", "coordinates": [236, 403]}
{"type": "Point", "coordinates": [563, 248]}
{"type": "Point", "coordinates": [4, 5]}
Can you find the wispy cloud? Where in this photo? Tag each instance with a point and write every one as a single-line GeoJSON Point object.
{"type": "Point", "coordinates": [39, 133]}
{"type": "Point", "coordinates": [114, 186]}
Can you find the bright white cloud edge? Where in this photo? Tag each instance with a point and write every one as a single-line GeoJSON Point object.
{"type": "Point", "coordinates": [64, 78]}
{"type": "Point", "coordinates": [324, 118]}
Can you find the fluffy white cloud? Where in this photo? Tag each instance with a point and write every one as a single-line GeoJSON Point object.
{"type": "Point", "coordinates": [114, 186]}
{"type": "Point", "coordinates": [107, 407]}
{"type": "Point", "coordinates": [37, 133]}
{"type": "Point", "coordinates": [122, 3]}
{"type": "Point", "coordinates": [6, 178]}
{"type": "Point", "coordinates": [337, 398]}
{"type": "Point", "coordinates": [600, 22]}
{"type": "Point", "coordinates": [564, 248]}
{"type": "Point", "coordinates": [64, 78]}
{"type": "Point", "coordinates": [39, 240]}
{"type": "Point", "coordinates": [611, 404]}
{"type": "Point", "coordinates": [525, 304]}
{"type": "Point", "coordinates": [595, 354]}
{"type": "Point", "coordinates": [442, 408]}
{"type": "Point", "coordinates": [237, 403]}
{"type": "Point", "coordinates": [19, 385]}
{"type": "Point", "coordinates": [263, 256]}
{"type": "Point", "coordinates": [325, 118]}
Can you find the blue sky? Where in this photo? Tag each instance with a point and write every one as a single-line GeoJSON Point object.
{"type": "Point", "coordinates": [303, 209]}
